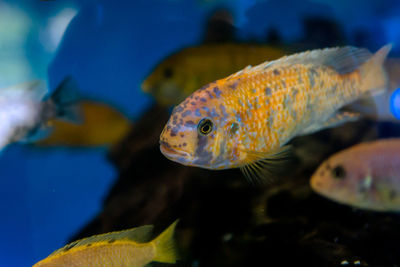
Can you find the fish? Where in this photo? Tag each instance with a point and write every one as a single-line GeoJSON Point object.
{"type": "Point", "coordinates": [90, 132]}
{"type": "Point", "coordinates": [130, 247]}
{"type": "Point", "coordinates": [26, 109]}
{"type": "Point", "coordinates": [186, 70]}
{"type": "Point", "coordinates": [365, 176]}
{"type": "Point", "coordinates": [246, 119]}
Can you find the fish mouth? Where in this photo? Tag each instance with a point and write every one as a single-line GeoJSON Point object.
{"type": "Point", "coordinates": [174, 154]}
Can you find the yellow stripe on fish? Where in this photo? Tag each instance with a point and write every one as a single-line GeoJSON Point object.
{"type": "Point", "coordinates": [124, 248]}
{"type": "Point", "coordinates": [246, 119]}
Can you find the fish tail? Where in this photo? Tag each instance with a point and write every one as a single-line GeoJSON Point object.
{"type": "Point", "coordinates": [65, 98]}
{"type": "Point", "coordinates": [373, 74]}
{"type": "Point", "coordinates": [165, 247]}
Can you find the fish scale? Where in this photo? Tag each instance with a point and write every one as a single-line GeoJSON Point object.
{"type": "Point", "coordinates": [251, 114]}
{"type": "Point", "coordinates": [274, 106]}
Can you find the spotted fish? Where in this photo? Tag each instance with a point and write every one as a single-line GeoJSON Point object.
{"type": "Point", "coordinates": [246, 119]}
{"type": "Point", "coordinates": [365, 176]}
{"type": "Point", "coordinates": [124, 248]}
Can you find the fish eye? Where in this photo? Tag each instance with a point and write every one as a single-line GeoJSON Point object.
{"type": "Point", "coordinates": [205, 126]}
{"type": "Point", "coordinates": [339, 172]}
{"type": "Point", "coordinates": [168, 73]}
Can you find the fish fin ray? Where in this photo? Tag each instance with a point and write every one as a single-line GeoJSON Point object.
{"type": "Point", "coordinates": [140, 234]}
{"type": "Point", "coordinates": [261, 167]}
{"type": "Point", "coordinates": [342, 59]}
{"type": "Point", "coordinates": [337, 119]}
{"type": "Point", "coordinates": [373, 73]}
{"type": "Point", "coordinates": [372, 107]}
{"type": "Point", "coordinates": [347, 59]}
{"type": "Point", "coordinates": [165, 247]}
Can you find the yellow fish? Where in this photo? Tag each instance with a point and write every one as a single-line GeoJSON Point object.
{"type": "Point", "coordinates": [185, 71]}
{"type": "Point", "coordinates": [245, 120]}
{"type": "Point", "coordinates": [366, 176]}
{"type": "Point", "coordinates": [125, 248]}
{"type": "Point", "coordinates": [101, 125]}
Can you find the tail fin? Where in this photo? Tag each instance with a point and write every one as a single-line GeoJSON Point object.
{"type": "Point", "coordinates": [373, 74]}
{"type": "Point", "coordinates": [65, 98]}
{"type": "Point", "coordinates": [165, 247]}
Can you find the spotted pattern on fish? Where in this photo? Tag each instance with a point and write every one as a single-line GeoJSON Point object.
{"type": "Point", "coordinates": [270, 105]}
{"type": "Point", "coordinates": [217, 92]}
{"type": "Point", "coordinates": [234, 85]}
{"type": "Point", "coordinates": [268, 91]}
{"type": "Point", "coordinates": [186, 113]}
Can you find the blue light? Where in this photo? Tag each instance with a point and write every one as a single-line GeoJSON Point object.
{"type": "Point", "coordinates": [395, 103]}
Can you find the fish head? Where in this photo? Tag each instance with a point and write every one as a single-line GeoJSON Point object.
{"type": "Point", "coordinates": [167, 82]}
{"type": "Point", "coordinates": [342, 178]}
{"type": "Point", "coordinates": [201, 133]}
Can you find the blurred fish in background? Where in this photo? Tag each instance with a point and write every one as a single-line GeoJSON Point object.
{"type": "Point", "coordinates": [186, 70]}
{"type": "Point", "coordinates": [365, 176]}
{"type": "Point", "coordinates": [25, 113]}
{"type": "Point", "coordinates": [100, 125]}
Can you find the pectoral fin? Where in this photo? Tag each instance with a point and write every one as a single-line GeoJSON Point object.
{"type": "Point", "coordinates": [336, 120]}
{"type": "Point", "coordinates": [260, 167]}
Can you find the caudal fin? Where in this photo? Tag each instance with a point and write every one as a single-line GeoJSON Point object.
{"type": "Point", "coordinates": [373, 74]}
{"type": "Point", "coordinates": [165, 246]}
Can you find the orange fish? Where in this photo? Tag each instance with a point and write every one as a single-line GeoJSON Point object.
{"type": "Point", "coordinates": [246, 119]}
{"type": "Point", "coordinates": [101, 125]}
{"type": "Point", "coordinates": [366, 176]}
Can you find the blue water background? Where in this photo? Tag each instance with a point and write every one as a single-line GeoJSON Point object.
{"type": "Point", "coordinates": [109, 47]}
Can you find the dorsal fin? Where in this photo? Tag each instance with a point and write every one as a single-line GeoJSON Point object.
{"type": "Point", "coordinates": [342, 59]}
{"type": "Point", "coordinates": [140, 234]}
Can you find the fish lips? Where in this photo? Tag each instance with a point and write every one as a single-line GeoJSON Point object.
{"type": "Point", "coordinates": [179, 156]}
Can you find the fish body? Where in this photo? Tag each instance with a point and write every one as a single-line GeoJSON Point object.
{"type": "Point", "coordinates": [96, 117]}
{"type": "Point", "coordinates": [365, 176]}
{"type": "Point", "coordinates": [185, 71]}
{"type": "Point", "coordinates": [249, 116]}
{"type": "Point", "coordinates": [25, 111]}
{"type": "Point", "coordinates": [130, 248]}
